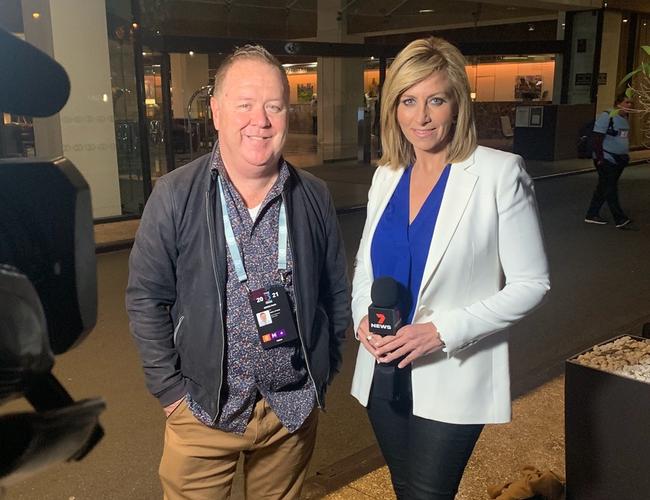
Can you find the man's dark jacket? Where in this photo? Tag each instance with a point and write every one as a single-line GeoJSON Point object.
{"type": "Point", "coordinates": [177, 273]}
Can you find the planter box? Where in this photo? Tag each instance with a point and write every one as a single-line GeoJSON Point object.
{"type": "Point", "coordinates": [607, 429]}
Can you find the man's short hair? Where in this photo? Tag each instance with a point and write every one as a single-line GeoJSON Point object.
{"type": "Point", "coordinates": [248, 52]}
{"type": "Point", "coordinates": [620, 98]}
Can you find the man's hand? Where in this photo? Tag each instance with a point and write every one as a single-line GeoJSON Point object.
{"type": "Point", "coordinates": [169, 409]}
{"type": "Point", "coordinates": [366, 338]}
{"type": "Point", "coordinates": [411, 341]}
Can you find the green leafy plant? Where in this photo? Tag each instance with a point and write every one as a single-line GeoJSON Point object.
{"type": "Point", "coordinates": [638, 88]}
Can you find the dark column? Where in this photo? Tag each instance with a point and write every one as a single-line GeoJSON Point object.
{"type": "Point", "coordinates": [566, 59]}
{"type": "Point", "coordinates": [597, 48]}
{"type": "Point", "coordinates": [165, 70]}
{"type": "Point", "coordinates": [632, 42]}
{"type": "Point", "coordinates": [140, 92]}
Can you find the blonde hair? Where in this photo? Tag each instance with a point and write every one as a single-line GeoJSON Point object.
{"type": "Point", "coordinates": [248, 52]}
{"type": "Point", "coordinates": [416, 62]}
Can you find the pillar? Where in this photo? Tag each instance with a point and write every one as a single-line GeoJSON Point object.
{"type": "Point", "coordinates": [583, 45]}
{"type": "Point", "coordinates": [609, 59]}
{"type": "Point", "coordinates": [340, 87]}
{"type": "Point", "coordinates": [74, 34]}
{"type": "Point", "coordinates": [559, 60]}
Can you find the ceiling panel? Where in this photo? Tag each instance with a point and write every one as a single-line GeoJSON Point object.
{"type": "Point", "coordinates": [297, 18]}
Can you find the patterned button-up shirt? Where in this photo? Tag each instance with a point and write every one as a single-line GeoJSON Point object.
{"type": "Point", "coordinates": [279, 375]}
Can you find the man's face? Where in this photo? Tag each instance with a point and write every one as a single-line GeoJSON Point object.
{"type": "Point", "coordinates": [250, 113]}
{"type": "Point", "coordinates": [625, 105]}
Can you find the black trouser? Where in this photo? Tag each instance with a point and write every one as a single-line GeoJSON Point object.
{"type": "Point", "coordinates": [426, 458]}
{"type": "Point", "coordinates": [607, 191]}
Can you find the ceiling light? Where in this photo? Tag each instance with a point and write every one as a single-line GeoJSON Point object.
{"type": "Point", "coordinates": [625, 19]}
{"type": "Point", "coordinates": [301, 65]}
{"type": "Point", "coordinates": [531, 27]}
{"type": "Point", "coordinates": [426, 11]}
{"type": "Point", "coordinates": [36, 15]}
{"type": "Point", "coordinates": [134, 25]}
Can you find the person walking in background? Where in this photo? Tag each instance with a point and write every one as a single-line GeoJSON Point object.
{"type": "Point", "coordinates": [456, 225]}
{"type": "Point", "coordinates": [314, 114]}
{"type": "Point", "coordinates": [611, 145]}
{"type": "Point", "coordinates": [238, 297]}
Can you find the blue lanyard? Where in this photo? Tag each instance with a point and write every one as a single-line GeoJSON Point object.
{"type": "Point", "coordinates": [232, 242]}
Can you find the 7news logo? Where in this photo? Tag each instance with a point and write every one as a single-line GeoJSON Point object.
{"type": "Point", "coordinates": [380, 322]}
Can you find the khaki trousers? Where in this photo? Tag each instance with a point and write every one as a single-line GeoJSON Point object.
{"type": "Point", "coordinates": [199, 462]}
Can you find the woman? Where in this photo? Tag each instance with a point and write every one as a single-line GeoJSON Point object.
{"type": "Point", "coordinates": [456, 225]}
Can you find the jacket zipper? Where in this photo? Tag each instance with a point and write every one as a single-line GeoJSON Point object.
{"type": "Point", "coordinates": [216, 280]}
{"type": "Point", "coordinates": [297, 295]}
{"type": "Point", "coordinates": [178, 327]}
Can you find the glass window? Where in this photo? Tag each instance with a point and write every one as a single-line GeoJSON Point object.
{"type": "Point", "coordinates": [125, 108]}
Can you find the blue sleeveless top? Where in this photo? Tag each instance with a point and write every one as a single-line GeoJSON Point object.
{"type": "Point", "coordinates": [400, 249]}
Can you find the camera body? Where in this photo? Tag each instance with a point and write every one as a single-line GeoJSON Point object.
{"type": "Point", "coordinates": [48, 281]}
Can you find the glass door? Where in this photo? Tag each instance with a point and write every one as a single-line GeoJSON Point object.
{"type": "Point", "coordinates": [156, 114]}
{"type": "Point", "coordinates": [125, 112]}
{"type": "Point", "coordinates": [326, 97]}
{"type": "Point", "coordinates": [302, 146]}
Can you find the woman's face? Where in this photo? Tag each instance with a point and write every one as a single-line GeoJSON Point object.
{"type": "Point", "coordinates": [426, 113]}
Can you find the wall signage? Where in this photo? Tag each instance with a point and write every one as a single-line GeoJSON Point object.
{"type": "Point", "coordinates": [529, 116]}
{"type": "Point", "coordinates": [582, 45]}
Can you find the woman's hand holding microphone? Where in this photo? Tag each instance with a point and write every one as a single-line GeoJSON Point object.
{"type": "Point", "coordinates": [410, 342]}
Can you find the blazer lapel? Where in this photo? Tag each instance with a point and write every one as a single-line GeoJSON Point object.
{"type": "Point", "coordinates": [458, 191]}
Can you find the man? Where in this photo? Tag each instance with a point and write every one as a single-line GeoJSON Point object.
{"type": "Point", "coordinates": [611, 146]}
{"type": "Point", "coordinates": [231, 235]}
{"type": "Point", "coordinates": [314, 114]}
{"type": "Point", "coordinates": [263, 318]}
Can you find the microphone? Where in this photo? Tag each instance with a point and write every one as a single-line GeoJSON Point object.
{"type": "Point", "coordinates": [32, 83]}
{"type": "Point", "coordinates": [384, 316]}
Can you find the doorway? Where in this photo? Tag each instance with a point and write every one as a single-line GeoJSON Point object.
{"type": "Point", "coordinates": [180, 121]}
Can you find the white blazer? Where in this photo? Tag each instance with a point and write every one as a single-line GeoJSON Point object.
{"type": "Point", "coordinates": [486, 269]}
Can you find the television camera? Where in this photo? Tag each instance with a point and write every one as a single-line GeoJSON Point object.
{"type": "Point", "coordinates": [48, 283]}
